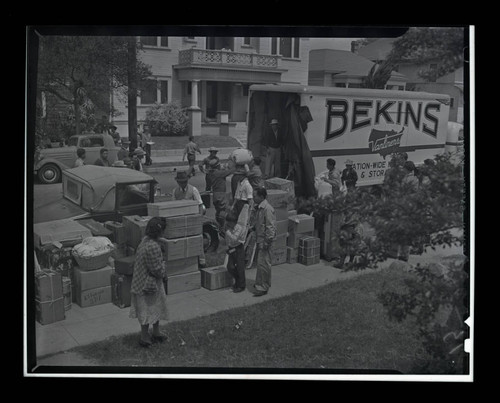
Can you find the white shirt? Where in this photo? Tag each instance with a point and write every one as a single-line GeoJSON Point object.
{"type": "Point", "coordinates": [244, 190]}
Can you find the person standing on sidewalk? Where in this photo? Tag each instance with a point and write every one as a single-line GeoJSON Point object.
{"type": "Point", "coordinates": [146, 144]}
{"type": "Point", "coordinates": [273, 141]}
{"type": "Point", "coordinates": [190, 150]}
{"type": "Point", "coordinates": [149, 300]}
{"type": "Point", "coordinates": [206, 167]}
{"type": "Point", "coordinates": [185, 191]}
{"type": "Point", "coordinates": [265, 230]}
{"type": "Point", "coordinates": [243, 194]}
{"type": "Point", "coordinates": [236, 233]}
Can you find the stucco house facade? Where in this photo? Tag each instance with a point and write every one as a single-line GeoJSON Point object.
{"type": "Point", "coordinates": [210, 76]}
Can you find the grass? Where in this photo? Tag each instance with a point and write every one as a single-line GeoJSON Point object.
{"type": "Point", "coordinates": [341, 325]}
{"type": "Point", "coordinates": [203, 141]}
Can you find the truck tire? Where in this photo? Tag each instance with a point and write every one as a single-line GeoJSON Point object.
{"type": "Point", "coordinates": [49, 173]}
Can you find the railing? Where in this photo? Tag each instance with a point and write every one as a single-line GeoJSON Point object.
{"type": "Point", "coordinates": [227, 58]}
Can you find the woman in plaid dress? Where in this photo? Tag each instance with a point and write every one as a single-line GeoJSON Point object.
{"type": "Point", "coordinates": [148, 297]}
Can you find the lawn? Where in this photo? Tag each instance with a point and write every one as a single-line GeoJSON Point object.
{"type": "Point", "coordinates": [203, 141]}
{"type": "Point", "coordinates": [340, 326]}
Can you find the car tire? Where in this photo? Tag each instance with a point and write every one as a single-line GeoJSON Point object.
{"type": "Point", "coordinates": [210, 238]}
{"type": "Point", "coordinates": [49, 173]}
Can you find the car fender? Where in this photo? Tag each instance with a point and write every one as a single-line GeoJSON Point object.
{"type": "Point", "coordinates": [49, 160]}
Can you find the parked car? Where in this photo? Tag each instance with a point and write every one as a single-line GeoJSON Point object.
{"type": "Point", "coordinates": [51, 162]}
{"type": "Point", "coordinates": [108, 194]}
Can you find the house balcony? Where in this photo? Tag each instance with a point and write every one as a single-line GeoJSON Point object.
{"type": "Point", "coordinates": [223, 65]}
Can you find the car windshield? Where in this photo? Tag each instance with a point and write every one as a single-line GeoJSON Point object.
{"type": "Point", "coordinates": [133, 194]}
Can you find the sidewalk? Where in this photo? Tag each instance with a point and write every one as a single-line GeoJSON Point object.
{"type": "Point", "coordinates": [87, 325]}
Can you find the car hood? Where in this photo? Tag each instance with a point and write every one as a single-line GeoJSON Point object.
{"type": "Point", "coordinates": [58, 210]}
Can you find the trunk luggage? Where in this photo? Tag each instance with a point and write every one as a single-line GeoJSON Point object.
{"type": "Point", "coordinates": [214, 278]}
{"type": "Point", "coordinates": [125, 265]}
{"type": "Point", "coordinates": [135, 228]}
{"type": "Point", "coordinates": [120, 286]}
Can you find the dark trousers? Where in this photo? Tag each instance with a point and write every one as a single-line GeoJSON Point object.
{"type": "Point", "coordinates": [236, 266]}
{"type": "Point", "coordinates": [147, 148]}
{"type": "Point", "coordinates": [192, 162]}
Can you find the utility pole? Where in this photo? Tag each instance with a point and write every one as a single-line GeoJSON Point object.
{"type": "Point", "coordinates": [132, 92]}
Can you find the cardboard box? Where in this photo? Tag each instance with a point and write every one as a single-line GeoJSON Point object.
{"type": "Point", "coordinates": [214, 278]}
{"type": "Point", "coordinates": [309, 252]}
{"type": "Point", "coordinates": [173, 208]}
{"type": "Point", "coordinates": [119, 232]}
{"type": "Point", "coordinates": [308, 242]}
{"type": "Point", "coordinates": [293, 238]}
{"type": "Point", "coordinates": [180, 266]}
{"type": "Point", "coordinates": [86, 280]}
{"type": "Point", "coordinates": [277, 198]}
{"type": "Point", "coordinates": [291, 213]}
{"type": "Point", "coordinates": [182, 282]}
{"type": "Point", "coordinates": [308, 261]}
{"type": "Point", "coordinates": [281, 184]}
{"type": "Point", "coordinates": [300, 223]}
{"type": "Point", "coordinates": [291, 255]}
{"type": "Point", "coordinates": [183, 226]}
{"type": "Point", "coordinates": [181, 248]}
{"type": "Point", "coordinates": [120, 287]}
{"type": "Point", "coordinates": [280, 241]}
{"type": "Point", "coordinates": [68, 232]}
{"type": "Point", "coordinates": [278, 256]}
{"type": "Point", "coordinates": [281, 227]}
{"type": "Point", "coordinates": [125, 265]}
{"type": "Point", "coordinates": [49, 297]}
{"type": "Point", "coordinates": [96, 228]}
{"type": "Point", "coordinates": [281, 213]}
{"type": "Point", "coordinates": [94, 296]}
{"type": "Point", "coordinates": [135, 228]}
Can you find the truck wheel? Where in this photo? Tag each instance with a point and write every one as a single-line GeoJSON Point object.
{"type": "Point", "coordinates": [49, 173]}
{"type": "Point", "coordinates": [210, 238]}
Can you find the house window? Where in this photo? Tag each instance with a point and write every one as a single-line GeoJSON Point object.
{"type": "Point", "coordinates": [148, 40]}
{"type": "Point", "coordinates": [246, 41]}
{"type": "Point", "coordinates": [153, 91]}
{"type": "Point", "coordinates": [286, 47]}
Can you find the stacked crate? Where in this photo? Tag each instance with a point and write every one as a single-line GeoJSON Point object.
{"type": "Point", "coordinates": [281, 195]}
{"type": "Point", "coordinates": [299, 226]}
{"type": "Point", "coordinates": [49, 297]}
{"type": "Point", "coordinates": [309, 248]}
{"type": "Point", "coordinates": [215, 278]}
{"type": "Point", "coordinates": [184, 243]}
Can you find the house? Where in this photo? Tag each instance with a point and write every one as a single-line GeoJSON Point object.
{"type": "Point", "coordinates": [341, 68]}
{"type": "Point", "coordinates": [451, 84]}
{"type": "Point", "coordinates": [210, 76]}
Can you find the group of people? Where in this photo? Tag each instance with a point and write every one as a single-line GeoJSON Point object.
{"type": "Point", "coordinates": [337, 179]}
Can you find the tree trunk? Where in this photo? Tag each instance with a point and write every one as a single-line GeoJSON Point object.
{"type": "Point", "coordinates": [76, 107]}
{"type": "Point", "coordinates": [132, 93]}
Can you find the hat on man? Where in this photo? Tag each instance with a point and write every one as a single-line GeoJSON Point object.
{"type": "Point", "coordinates": [125, 140]}
{"type": "Point", "coordinates": [181, 176]}
{"type": "Point", "coordinates": [213, 149]}
{"type": "Point", "coordinates": [139, 152]}
{"type": "Point", "coordinates": [349, 162]}
{"type": "Point", "coordinates": [274, 122]}
{"type": "Point", "coordinates": [119, 164]}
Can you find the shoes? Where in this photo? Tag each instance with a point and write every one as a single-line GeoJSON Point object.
{"type": "Point", "coordinates": [145, 344]}
{"type": "Point", "coordinates": [158, 339]}
{"type": "Point", "coordinates": [238, 289]}
{"type": "Point", "coordinates": [259, 293]}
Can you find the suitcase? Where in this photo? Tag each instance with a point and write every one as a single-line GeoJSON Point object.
{"type": "Point", "coordinates": [118, 229]}
{"type": "Point", "coordinates": [120, 287]}
{"type": "Point", "coordinates": [214, 278]}
{"type": "Point", "coordinates": [125, 265]}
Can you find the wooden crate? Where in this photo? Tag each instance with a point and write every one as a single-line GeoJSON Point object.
{"type": "Point", "coordinates": [308, 242]}
{"type": "Point", "coordinates": [182, 282]}
{"type": "Point", "coordinates": [277, 198]}
{"type": "Point", "coordinates": [309, 252]}
{"type": "Point", "coordinates": [183, 226]}
{"type": "Point", "coordinates": [135, 227]}
{"type": "Point", "coordinates": [293, 238]}
{"type": "Point", "coordinates": [214, 278]}
{"type": "Point", "coordinates": [181, 248]}
{"type": "Point", "coordinates": [181, 266]}
{"type": "Point", "coordinates": [173, 208]}
{"type": "Point", "coordinates": [308, 261]}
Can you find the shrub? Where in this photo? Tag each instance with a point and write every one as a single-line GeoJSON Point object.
{"type": "Point", "coordinates": [167, 120]}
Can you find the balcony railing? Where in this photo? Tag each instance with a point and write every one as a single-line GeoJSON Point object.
{"type": "Point", "coordinates": [228, 58]}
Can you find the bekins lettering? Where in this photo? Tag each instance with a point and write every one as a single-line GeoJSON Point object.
{"type": "Point", "coordinates": [341, 117]}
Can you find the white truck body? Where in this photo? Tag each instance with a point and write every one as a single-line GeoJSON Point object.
{"type": "Point", "coordinates": [367, 126]}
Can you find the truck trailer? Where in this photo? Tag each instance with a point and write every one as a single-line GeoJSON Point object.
{"type": "Point", "coordinates": [365, 126]}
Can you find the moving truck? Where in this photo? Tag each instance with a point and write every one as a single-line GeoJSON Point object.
{"type": "Point", "coordinates": [363, 125]}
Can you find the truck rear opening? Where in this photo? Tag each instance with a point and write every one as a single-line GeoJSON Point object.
{"type": "Point", "coordinates": [363, 125]}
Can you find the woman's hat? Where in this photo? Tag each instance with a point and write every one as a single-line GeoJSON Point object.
{"type": "Point", "coordinates": [182, 176]}
{"type": "Point", "coordinates": [349, 162]}
{"type": "Point", "coordinates": [119, 164]}
{"type": "Point", "coordinates": [274, 122]}
{"type": "Point", "coordinates": [139, 151]}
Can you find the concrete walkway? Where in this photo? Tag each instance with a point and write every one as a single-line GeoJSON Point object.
{"type": "Point", "coordinates": [87, 325]}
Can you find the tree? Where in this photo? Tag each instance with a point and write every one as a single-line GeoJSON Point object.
{"type": "Point", "coordinates": [378, 75]}
{"type": "Point", "coordinates": [81, 71]}
{"type": "Point", "coordinates": [424, 45]}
